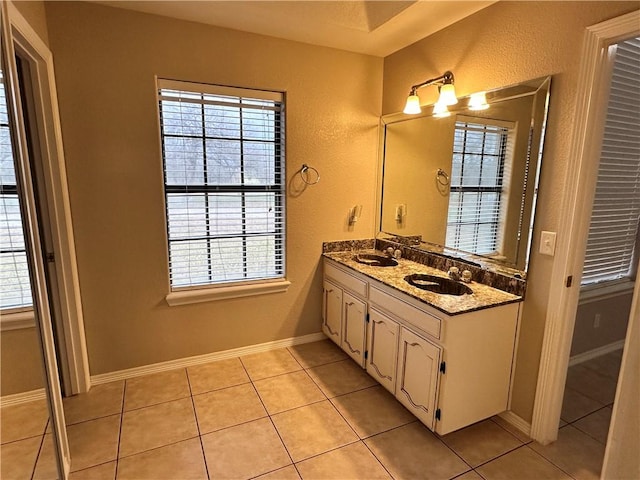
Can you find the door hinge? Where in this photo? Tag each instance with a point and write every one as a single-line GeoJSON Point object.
{"type": "Point", "coordinates": [366, 354]}
{"type": "Point", "coordinates": [438, 414]}
{"type": "Point", "coordinates": [51, 257]}
{"type": "Point", "coordinates": [443, 367]}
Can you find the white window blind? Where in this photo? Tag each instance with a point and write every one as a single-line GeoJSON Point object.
{"type": "Point", "coordinates": [15, 288]}
{"type": "Point", "coordinates": [616, 207]}
{"type": "Point", "coordinates": [480, 152]}
{"type": "Point", "coordinates": [223, 152]}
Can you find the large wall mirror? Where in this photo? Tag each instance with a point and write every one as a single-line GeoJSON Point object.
{"type": "Point", "coordinates": [467, 183]}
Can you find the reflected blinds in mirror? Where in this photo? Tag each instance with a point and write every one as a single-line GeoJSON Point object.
{"type": "Point", "coordinates": [480, 157]}
{"type": "Point", "coordinates": [223, 152]}
{"type": "Point", "coordinates": [15, 288]}
{"type": "Point", "coordinates": [616, 208]}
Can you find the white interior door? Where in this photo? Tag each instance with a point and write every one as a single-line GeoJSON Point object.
{"type": "Point", "coordinates": [33, 246]}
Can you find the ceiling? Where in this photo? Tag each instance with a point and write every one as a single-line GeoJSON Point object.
{"type": "Point", "coordinates": [376, 27]}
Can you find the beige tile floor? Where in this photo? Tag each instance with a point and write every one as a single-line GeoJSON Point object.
{"type": "Point", "coordinates": [305, 412]}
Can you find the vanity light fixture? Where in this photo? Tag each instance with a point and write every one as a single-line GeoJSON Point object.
{"type": "Point", "coordinates": [445, 87]}
{"type": "Point", "coordinates": [478, 101]}
{"type": "Point", "coordinates": [440, 110]}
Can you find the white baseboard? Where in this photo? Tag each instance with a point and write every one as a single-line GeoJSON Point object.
{"type": "Point", "coordinates": [200, 359]}
{"type": "Point", "coordinates": [516, 421]}
{"type": "Point", "coordinates": [24, 397]}
{"type": "Point", "coordinates": [596, 352]}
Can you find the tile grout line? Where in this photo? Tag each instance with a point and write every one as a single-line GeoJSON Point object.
{"type": "Point", "coordinates": [361, 440]}
{"type": "Point", "coordinates": [573, 424]}
{"type": "Point", "coordinates": [195, 417]}
{"type": "Point", "coordinates": [501, 455]}
{"type": "Point", "coordinates": [510, 433]}
{"type": "Point", "coordinates": [551, 462]}
{"type": "Point", "coordinates": [124, 393]}
{"type": "Point", "coordinates": [40, 448]}
{"type": "Point", "coordinates": [271, 419]}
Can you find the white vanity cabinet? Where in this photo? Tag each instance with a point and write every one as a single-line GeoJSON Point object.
{"type": "Point", "coordinates": [449, 370]}
{"type": "Point", "coordinates": [354, 317]}
{"type": "Point", "coordinates": [418, 366]}
{"type": "Point", "coordinates": [382, 349]}
{"type": "Point", "coordinates": [344, 312]}
{"type": "Point", "coordinates": [332, 311]}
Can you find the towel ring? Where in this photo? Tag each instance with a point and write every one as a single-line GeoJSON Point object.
{"type": "Point", "coordinates": [304, 174]}
{"type": "Point", "coordinates": [440, 175]}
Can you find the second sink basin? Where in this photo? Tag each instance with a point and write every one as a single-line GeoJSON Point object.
{"type": "Point", "coordinates": [375, 260]}
{"type": "Point", "coordinates": [436, 284]}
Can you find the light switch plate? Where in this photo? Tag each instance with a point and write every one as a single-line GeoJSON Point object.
{"type": "Point", "coordinates": [548, 243]}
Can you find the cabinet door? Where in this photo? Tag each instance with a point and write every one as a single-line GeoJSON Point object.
{"type": "Point", "coordinates": [354, 327]}
{"type": "Point", "coordinates": [382, 347]}
{"type": "Point", "coordinates": [418, 368]}
{"type": "Point", "coordinates": [332, 312]}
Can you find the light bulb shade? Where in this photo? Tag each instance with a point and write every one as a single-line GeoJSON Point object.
{"type": "Point", "coordinates": [448, 94]}
{"type": "Point", "coordinates": [440, 110]}
{"type": "Point", "coordinates": [478, 101]}
{"type": "Point", "coordinates": [412, 106]}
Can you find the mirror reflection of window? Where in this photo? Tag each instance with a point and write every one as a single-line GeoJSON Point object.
{"type": "Point", "coordinates": [15, 289]}
{"type": "Point", "coordinates": [482, 158]}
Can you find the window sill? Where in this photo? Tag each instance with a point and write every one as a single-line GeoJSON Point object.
{"type": "Point", "coordinates": [604, 290]}
{"type": "Point", "coordinates": [186, 297]}
{"type": "Point", "coordinates": [17, 320]}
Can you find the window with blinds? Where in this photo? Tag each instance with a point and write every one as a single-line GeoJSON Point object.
{"type": "Point", "coordinates": [616, 208]}
{"type": "Point", "coordinates": [15, 288]}
{"type": "Point", "coordinates": [223, 152]}
{"type": "Point", "coordinates": [480, 153]}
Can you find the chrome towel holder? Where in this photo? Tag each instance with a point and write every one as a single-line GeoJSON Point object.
{"type": "Point", "coordinates": [304, 174]}
{"type": "Point", "coordinates": [442, 177]}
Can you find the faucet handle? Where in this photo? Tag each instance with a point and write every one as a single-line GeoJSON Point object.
{"type": "Point", "coordinates": [466, 276]}
{"type": "Point", "coordinates": [454, 273]}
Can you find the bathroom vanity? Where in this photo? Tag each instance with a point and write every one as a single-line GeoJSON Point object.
{"type": "Point", "coordinates": [447, 358]}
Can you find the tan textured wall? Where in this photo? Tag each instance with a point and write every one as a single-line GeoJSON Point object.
{"type": "Point", "coordinates": [106, 60]}
{"type": "Point", "coordinates": [506, 43]}
{"type": "Point", "coordinates": [34, 12]}
{"type": "Point", "coordinates": [21, 368]}
{"type": "Point", "coordinates": [614, 319]}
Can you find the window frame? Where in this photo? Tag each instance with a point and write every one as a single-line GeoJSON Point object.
{"type": "Point", "coordinates": [223, 289]}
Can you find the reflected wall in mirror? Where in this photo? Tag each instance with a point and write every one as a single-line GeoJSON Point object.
{"type": "Point", "coordinates": [467, 182]}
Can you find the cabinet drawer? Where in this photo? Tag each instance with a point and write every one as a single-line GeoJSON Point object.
{"type": "Point", "coordinates": [416, 317]}
{"type": "Point", "coordinates": [348, 281]}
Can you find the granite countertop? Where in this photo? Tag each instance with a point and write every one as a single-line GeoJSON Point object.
{"type": "Point", "coordinates": [483, 296]}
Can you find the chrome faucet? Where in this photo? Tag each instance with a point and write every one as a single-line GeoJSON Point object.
{"type": "Point", "coordinates": [454, 274]}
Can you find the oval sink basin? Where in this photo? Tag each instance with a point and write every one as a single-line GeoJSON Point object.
{"type": "Point", "coordinates": [441, 285]}
{"type": "Point", "coordinates": [374, 260]}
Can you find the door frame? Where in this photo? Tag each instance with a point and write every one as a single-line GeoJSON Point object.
{"type": "Point", "coordinates": [576, 209]}
{"type": "Point", "coordinates": [50, 150]}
